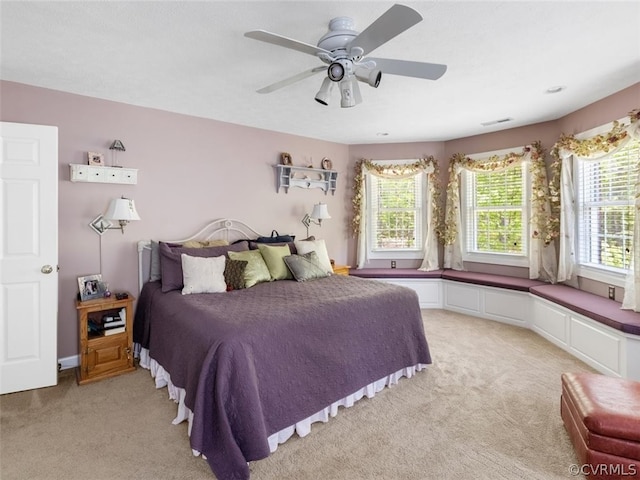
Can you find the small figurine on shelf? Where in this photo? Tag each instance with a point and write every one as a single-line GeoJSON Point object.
{"type": "Point", "coordinates": [107, 292]}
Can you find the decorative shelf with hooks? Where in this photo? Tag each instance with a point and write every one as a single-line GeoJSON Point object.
{"type": "Point", "coordinates": [98, 174]}
{"type": "Point", "coordinates": [305, 177]}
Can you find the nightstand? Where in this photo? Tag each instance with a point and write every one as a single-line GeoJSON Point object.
{"type": "Point", "coordinates": [341, 270]}
{"type": "Point", "coordinates": [105, 352]}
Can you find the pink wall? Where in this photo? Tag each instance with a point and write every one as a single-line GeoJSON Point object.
{"type": "Point", "coordinates": [193, 170]}
{"type": "Point", "coordinates": [601, 112]}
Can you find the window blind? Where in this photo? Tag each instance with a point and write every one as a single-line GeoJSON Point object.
{"type": "Point", "coordinates": [496, 211]}
{"type": "Point", "coordinates": [396, 212]}
{"type": "Point", "coordinates": [606, 194]}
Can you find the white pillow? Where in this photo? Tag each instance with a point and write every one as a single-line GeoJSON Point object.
{"type": "Point", "coordinates": [306, 246]}
{"type": "Point", "coordinates": [203, 274]}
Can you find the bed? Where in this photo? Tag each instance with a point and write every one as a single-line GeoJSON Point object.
{"type": "Point", "coordinates": [250, 367]}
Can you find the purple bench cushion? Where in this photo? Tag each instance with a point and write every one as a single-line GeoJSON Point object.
{"type": "Point", "coordinates": [393, 273]}
{"type": "Point", "coordinates": [491, 280]}
{"type": "Point", "coordinates": [592, 306]}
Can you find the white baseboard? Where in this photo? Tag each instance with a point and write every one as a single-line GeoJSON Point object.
{"type": "Point", "coordinates": [69, 362]}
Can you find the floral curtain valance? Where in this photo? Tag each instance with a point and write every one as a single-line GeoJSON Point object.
{"type": "Point", "coordinates": [426, 166]}
{"type": "Point", "coordinates": [543, 227]}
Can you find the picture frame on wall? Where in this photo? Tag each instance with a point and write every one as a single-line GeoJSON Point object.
{"type": "Point", "coordinates": [285, 159]}
{"type": "Point", "coordinates": [91, 287]}
{"type": "Point", "coordinates": [95, 159]}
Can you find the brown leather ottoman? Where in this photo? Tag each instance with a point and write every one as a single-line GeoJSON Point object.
{"type": "Point", "coordinates": [602, 416]}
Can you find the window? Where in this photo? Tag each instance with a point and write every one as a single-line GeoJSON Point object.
{"type": "Point", "coordinates": [494, 216]}
{"type": "Point", "coordinates": [396, 223]}
{"type": "Point", "coordinates": [605, 202]}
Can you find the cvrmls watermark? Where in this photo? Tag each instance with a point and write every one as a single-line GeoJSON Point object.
{"type": "Point", "coordinates": [604, 469]}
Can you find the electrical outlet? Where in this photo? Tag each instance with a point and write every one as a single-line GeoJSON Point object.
{"type": "Point", "coordinates": [612, 292]}
{"type": "Point", "coordinates": [393, 264]}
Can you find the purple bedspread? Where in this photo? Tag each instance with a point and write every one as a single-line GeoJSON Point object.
{"type": "Point", "coordinates": [258, 360]}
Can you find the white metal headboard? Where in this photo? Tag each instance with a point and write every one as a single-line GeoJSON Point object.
{"type": "Point", "coordinates": [220, 229]}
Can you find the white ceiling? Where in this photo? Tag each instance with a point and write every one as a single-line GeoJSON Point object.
{"type": "Point", "coordinates": [192, 58]}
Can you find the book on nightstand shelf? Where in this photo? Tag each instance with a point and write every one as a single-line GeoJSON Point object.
{"type": "Point", "coordinates": [109, 324]}
{"type": "Point", "coordinates": [113, 331]}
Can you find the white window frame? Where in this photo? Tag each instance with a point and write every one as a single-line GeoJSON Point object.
{"type": "Point", "coordinates": [495, 258]}
{"type": "Point", "coordinates": [601, 274]}
{"type": "Point", "coordinates": [416, 253]}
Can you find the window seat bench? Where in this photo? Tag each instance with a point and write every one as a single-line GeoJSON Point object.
{"type": "Point", "coordinates": [491, 280]}
{"type": "Point", "coordinates": [588, 326]}
{"type": "Point", "coordinates": [394, 273]}
{"type": "Point", "coordinates": [600, 309]}
{"type": "Point", "coordinates": [487, 279]}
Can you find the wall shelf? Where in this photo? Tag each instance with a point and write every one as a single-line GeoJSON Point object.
{"type": "Point", "coordinates": [96, 174]}
{"type": "Point", "coordinates": [303, 177]}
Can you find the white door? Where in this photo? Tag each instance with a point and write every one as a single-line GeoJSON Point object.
{"type": "Point", "coordinates": [28, 256]}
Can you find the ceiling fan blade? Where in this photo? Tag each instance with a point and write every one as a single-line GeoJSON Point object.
{"type": "Point", "coordinates": [390, 24]}
{"type": "Point", "coordinates": [430, 71]}
{"type": "Point", "coordinates": [291, 80]}
{"type": "Point", "coordinates": [281, 41]}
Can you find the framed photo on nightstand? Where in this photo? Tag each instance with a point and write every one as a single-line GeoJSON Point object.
{"type": "Point", "coordinates": [91, 287]}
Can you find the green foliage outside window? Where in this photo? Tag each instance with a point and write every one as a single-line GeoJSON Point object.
{"type": "Point", "coordinates": [396, 213]}
{"type": "Point", "coordinates": [498, 211]}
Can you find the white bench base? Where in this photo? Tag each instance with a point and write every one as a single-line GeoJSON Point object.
{"type": "Point", "coordinates": [607, 350]}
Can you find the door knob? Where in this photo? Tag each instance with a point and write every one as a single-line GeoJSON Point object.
{"type": "Point", "coordinates": [46, 269]}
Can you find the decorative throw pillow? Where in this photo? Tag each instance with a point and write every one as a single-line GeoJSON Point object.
{"type": "Point", "coordinates": [273, 257]}
{"type": "Point", "coordinates": [171, 263]}
{"type": "Point", "coordinates": [305, 267]}
{"type": "Point", "coordinates": [256, 270]}
{"type": "Point", "coordinates": [306, 246]}
{"type": "Point", "coordinates": [234, 273]}
{"type": "Point", "coordinates": [203, 274]}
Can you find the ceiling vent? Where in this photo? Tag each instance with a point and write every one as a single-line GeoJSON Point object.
{"type": "Point", "coordinates": [495, 122]}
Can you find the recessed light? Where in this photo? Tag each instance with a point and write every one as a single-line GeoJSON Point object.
{"type": "Point", "coordinates": [382, 134]}
{"type": "Point", "coordinates": [556, 89]}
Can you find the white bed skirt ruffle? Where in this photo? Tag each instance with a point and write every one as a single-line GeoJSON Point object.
{"type": "Point", "coordinates": [302, 428]}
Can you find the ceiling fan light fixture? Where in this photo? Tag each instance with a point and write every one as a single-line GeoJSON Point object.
{"type": "Point", "coordinates": [336, 71]}
{"type": "Point", "coordinates": [349, 93]}
{"type": "Point", "coordinates": [371, 77]}
{"type": "Point", "coordinates": [324, 93]}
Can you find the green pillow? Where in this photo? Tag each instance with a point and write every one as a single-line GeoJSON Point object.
{"type": "Point", "coordinates": [274, 258]}
{"type": "Point", "coordinates": [306, 267]}
{"type": "Point", "coordinates": [256, 270]}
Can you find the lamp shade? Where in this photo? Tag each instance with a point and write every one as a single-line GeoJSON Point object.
{"type": "Point", "coordinates": [122, 209]}
{"type": "Point", "coordinates": [320, 212]}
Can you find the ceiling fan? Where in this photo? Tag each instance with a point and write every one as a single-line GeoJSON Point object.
{"type": "Point", "coordinates": [345, 50]}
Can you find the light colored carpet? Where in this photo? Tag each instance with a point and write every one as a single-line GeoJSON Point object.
{"type": "Point", "coordinates": [487, 409]}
